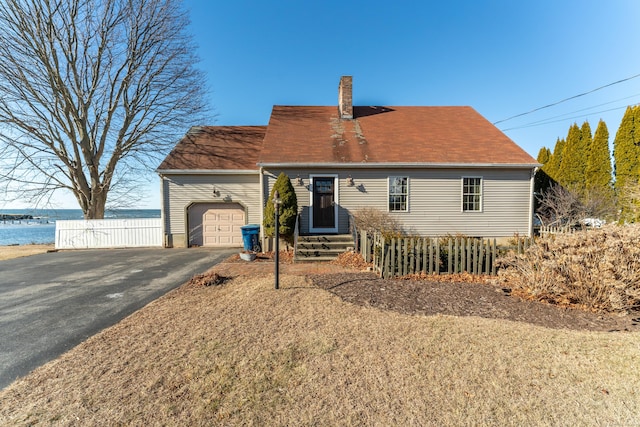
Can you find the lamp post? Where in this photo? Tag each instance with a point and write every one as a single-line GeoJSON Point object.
{"type": "Point", "coordinates": [276, 204]}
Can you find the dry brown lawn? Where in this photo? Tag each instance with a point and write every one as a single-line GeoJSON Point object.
{"type": "Point", "coordinates": [9, 252]}
{"type": "Point", "coordinates": [245, 354]}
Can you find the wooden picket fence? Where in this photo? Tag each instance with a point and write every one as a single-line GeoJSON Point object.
{"type": "Point", "coordinates": [432, 255]}
{"type": "Point", "coordinates": [546, 230]}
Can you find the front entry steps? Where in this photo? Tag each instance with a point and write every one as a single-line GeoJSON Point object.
{"type": "Point", "coordinates": [322, 247]}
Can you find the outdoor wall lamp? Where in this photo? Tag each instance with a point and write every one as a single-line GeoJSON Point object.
{"type": "Point", "coordinates": [299, 181]}
{"type": "Point", "coordinates": [216, 192]}
{"type": "Point", "coordinates": [350, 182]}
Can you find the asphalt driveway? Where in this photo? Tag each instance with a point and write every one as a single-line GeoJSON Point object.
{"type": "Point", "coordinates": [51, 302]}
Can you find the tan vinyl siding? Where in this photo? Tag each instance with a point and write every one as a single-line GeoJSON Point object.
{"type": "Point", "coordinates": [435, 199]}
{"type": "Point", "coordinates": [179, 191]}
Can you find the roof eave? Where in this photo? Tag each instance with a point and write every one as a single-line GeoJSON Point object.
{"type": "Point", "coordinates": [208, 171]}
{"type": "Point", "coordinates": [364, 165]}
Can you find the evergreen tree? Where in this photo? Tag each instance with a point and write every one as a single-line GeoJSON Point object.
{"type": "Point", "coordinates": [627, 162]}
{"type": "Point", "coordinates": [598, 172]}
{"type": "Point", "coordinates": [572, 168]}
{"type": "Point", "coordinates": [288, 209]}
{"type": "Point", "coordinates": [625, 152]}
{"type": "Point", "coordinates": [585, 142]}
{"type": "Point", "coordinates": [544, 155]}
{"type": "Point", "coordinates": [542, 180]}
{"type": "Point", "coordinates": [552, 167]}
{"type": "Point", "coordinates": [599, 180]}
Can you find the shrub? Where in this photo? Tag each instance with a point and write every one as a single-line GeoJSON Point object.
{"type": "Point", "coordinates": [373, 219]}
{"type": "Point", "coordinates": [288, 209]}
{"type": "Point", "coordinates": [598, 269]}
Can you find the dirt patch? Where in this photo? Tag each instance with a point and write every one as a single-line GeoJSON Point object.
{"type": "Point", "coordinates": [430, 297]}
{"type": "Point", "coordinates": [17, 251]}
{"type": "Point", "coordinates": [211, 279]}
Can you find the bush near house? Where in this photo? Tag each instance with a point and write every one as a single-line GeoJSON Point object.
{"type": "Point", "coordinates": [598, 269]}
{"type": "Point", "coordinates": [288, 209]}
{"type": "Point", "coordinates": [375, 220]}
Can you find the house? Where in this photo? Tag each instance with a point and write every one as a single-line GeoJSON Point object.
{"type": "Point", "coordinates": [438, 170]}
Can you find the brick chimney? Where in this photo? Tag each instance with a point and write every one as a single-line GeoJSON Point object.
{"type": "Point", "coordinates": [345, 97]}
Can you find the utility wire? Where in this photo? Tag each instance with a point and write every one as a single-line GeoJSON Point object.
{"type": "Point", "coordinates": [563, 117]}
{"type": "Point", "coordinates": [567, 99]}
{"type": "Point", "coordinates": [560, 120]}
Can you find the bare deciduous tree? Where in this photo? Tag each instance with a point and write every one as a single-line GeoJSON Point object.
{"type": "Point", "coordinates": [560, 206]}
{"type": "Point", "coordinates": [92, 92]}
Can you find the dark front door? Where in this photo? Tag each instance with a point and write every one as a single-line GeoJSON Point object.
{"type": "Point", "coordinates": [323, 203]}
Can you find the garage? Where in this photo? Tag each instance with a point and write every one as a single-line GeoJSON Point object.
{"type": "Point", "coordinates": [216, 224]}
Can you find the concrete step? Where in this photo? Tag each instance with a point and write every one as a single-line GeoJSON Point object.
{"type": "Point", "coordinates": [322, 247]}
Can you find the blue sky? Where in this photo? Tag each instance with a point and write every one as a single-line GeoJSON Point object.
{"type": "Point", "coordinates": [502, 57]}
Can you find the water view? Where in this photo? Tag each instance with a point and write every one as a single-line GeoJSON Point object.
{"type": "Point", "coordinates": [38, 226]}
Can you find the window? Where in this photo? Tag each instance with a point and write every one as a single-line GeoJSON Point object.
{"type": "Point", "coordinates": [471, 194]}
{"type": "Point", "coordinates": [398, 193]}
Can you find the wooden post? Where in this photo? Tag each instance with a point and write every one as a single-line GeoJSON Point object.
{"type": "Point", "coordinates": [392, 258]}
{"type": "Point", "coordinates": [407, 257]}
{"type": "Point", "coordinates": [488, 259]}
{"type": "Point", "coordinates": [437, 257]}
{"type": "Point", "coordinates": [493, 258]}
{"type": "Point", "coordinates": [457, 256]}
{"type": "Point", "coordinates": [385, 257]}
{"type": "Point", "coordinates": [430, 256]}
{"type": "Point", "coordinates": [450, 258]}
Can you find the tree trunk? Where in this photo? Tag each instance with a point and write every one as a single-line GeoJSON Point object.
{"type": "Point", "coordinates": [94, 208]}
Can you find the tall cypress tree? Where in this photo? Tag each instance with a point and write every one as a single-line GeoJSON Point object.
{"type": "Point", "coordinates": [599, 180]}
{"type": "Point", "coordinates": [585, 143]}
{"type": "Point", "coordinates": [542, 181]}
{"type": "Point", "coordinates": [552, 167]}
{"type": "Point", "coordinates": [598, 172]}
{"type": "Point", "coordinates": [625, 152]}
{"type": "Point", "coordinates": [573, 165]}
{"type": "Point", "coordinates": [626, 157]}
{"type": "Point", "coordinates": [544, 155]}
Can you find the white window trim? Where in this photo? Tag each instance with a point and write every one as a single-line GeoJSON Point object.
{"type": "Point", "coordinates": [388, 192]}
{"type": "Point", "coordinates": [336, 199]}
{"type": "Point", "coordinates": [481, 194]}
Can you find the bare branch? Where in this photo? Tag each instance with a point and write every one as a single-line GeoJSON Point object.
{"type": "Point", "coordinates": [91, 91]}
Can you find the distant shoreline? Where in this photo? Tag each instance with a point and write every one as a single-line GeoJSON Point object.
{"type": "Point", "coordinates": [37, 226]}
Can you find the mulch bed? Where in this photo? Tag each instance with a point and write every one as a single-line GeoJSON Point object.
{"type": "Point", "coordinates": [425, 297]}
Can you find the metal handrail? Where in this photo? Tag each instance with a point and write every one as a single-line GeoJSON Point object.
{"type": "Point", "coordinates": [295, 238]}
{"type": "Point", "coordinates": [354, 232]}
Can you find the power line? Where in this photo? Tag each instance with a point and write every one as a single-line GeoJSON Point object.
{"type": "Point", "coordinates": [563, 117]}
{"type": "Point", "coordinates": [567, 99]}
{"type": "Point", "coordinates": [560, 120]}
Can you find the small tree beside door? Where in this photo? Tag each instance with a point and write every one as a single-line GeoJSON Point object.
{"type": "Point", "coordinates": [288, 209]}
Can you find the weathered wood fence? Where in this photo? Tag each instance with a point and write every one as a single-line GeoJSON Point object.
{"type": "Point", "coordinates": [546, 230]}
{"type": "Point", "coordinates": [433, 255]}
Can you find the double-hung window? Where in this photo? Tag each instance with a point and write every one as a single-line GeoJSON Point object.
{"type": "Point", "coordinates": [472, 194]}
{"type": "Point", "coordinates": [398, 194]}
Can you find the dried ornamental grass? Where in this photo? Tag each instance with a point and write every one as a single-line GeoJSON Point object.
{"type": "Point", "coordinates": [598, 269]}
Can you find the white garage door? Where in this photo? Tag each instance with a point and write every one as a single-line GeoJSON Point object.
{"type": "Point", "coordinates": [216, 224]}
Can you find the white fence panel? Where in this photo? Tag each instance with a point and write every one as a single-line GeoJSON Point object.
{"type": "Point", "coordinates": [108, 233]}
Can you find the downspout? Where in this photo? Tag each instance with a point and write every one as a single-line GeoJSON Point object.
{"type": "Point", "coordinates": [165, 236]}
{"type": "Point", "coordinates": [531, 199]}
{"type": "Point", "coordinates": [262, 201]}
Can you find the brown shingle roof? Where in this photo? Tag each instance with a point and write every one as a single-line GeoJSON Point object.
{"type": "Point", "coordinates": [217, 147]}
{"type": "Point", "coordinates": [436, 135]}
